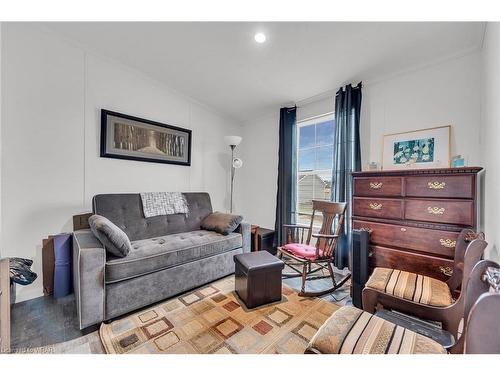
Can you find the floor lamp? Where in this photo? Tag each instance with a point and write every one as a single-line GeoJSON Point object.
{"type": "Point", "coordinates": [233, 141]}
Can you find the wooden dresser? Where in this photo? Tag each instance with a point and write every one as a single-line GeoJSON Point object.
{"type": "Point", "coordinates": [415, 216]}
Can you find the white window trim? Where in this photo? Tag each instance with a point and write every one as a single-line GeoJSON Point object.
{"type": "Point", "coordinates": [305, 122]}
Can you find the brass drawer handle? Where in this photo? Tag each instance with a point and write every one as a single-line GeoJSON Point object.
{"type": "Point", "coordinates": [448, 243]}
{"type": "Point", "coordinates": [436, 210]}
{"type": "Point", "coordinates": [447, 271]}
{"type": "Point", "coordinates": [436, 185]}
{"type": "Point", "coordinates": [403, 229]}
{"type": "Point", "coordinates": [376, 185]}
{"type": "Point", "coordinates": [376, 206]}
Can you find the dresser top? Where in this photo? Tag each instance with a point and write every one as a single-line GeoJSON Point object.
{"type": "Point", "coordinates": [406, 172]}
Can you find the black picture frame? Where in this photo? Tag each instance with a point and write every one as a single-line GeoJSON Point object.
{"type": "Point", "coordinates": [109, 152]}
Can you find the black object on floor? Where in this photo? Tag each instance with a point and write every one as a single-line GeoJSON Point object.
{"type": "Point", "coordinates": [360, 241]}
{"type": "Point", "coordinates": [258, 278]}
{"type": "Point", "coordinates": [20, 271]}
{"type": "Point", "coordinates": [428, 329]}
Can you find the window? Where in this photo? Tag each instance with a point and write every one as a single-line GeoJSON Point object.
{"type": "Point", "coordinates": [315, 162]}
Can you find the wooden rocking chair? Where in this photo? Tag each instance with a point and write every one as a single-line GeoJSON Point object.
{"type": "Point", "coordinates": [315, 259]}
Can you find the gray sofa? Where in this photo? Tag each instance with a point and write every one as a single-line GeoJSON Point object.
{"type": "Point", "coordinates": [170, 254]}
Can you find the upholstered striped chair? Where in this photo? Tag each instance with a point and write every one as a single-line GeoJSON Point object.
{"type": "Point", "coordinates": [353, 331]}
{"type": "Point", "coordinates": [423, 296]}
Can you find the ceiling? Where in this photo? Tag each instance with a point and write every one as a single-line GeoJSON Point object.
{"type": "Point", "coordinates": [220, 64]}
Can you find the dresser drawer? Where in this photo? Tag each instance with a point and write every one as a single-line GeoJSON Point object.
{"type": "Point", "coordinates": [378, 186]}
{"type": "Point", "coordinates": [426, 265]}
{"type": "Point", "coordinates": [435, 242]}
{"type": "Point", "coordinates": [440, 186]}
{"type": "Point", "coordinates": [441, 211]}
{"type": "Point", "coordinates": [378, 207]}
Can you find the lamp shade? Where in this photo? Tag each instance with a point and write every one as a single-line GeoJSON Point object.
{"type": "Point", "coordinates": [232, 140]}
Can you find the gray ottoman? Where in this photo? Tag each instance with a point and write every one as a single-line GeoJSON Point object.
{"type": "Point", "coordinates": [258, 278]}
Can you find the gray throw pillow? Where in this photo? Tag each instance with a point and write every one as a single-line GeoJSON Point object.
{"type": "Point", "coordinates": [113, 238]}
{"type": "Point", "coordinates": [221, 223]}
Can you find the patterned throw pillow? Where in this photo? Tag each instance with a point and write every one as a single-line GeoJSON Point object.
{"type": "Point", "coordinates": [221, 223]}
{"type": "Point", "coordinates": [112, 237]}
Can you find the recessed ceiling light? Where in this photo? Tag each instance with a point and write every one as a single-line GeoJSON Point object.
{"type": "Point", "coordinates": [260, 38]}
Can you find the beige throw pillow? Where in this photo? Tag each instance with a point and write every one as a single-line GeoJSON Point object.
{"type": "Point", "coordinates": [221, 223]}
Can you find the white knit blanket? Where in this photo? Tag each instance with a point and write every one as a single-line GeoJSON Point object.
{"type": "Point", "coordinates": [163, 203]}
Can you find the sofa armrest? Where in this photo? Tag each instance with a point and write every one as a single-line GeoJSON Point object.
{"type": "Point", "coordinates": [89, 260]}
{"type": "Point", "coordinates": [244, 228]}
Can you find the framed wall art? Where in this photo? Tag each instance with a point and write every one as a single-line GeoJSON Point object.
{"type": "Point", "coordinates": [134, 138]}
{"type": "Point", "coordinates": [425, 148]}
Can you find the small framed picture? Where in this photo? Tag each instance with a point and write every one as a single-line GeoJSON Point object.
{"type": "Point", "coordinates": [134, 138]}
{"type": "Point", "coordinates": [425, 148]}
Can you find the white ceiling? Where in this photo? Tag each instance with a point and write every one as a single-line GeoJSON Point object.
{"type": "Point", "coordinates": [221, 65]}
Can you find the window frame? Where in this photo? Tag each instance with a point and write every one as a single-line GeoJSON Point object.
{"type": "Point", "coordinates": [300, 124]}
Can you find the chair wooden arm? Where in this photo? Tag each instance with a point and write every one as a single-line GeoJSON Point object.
{"type": "Point", "coordinates": [317, 235]}
{"type": "Point", "coordinates": [295, 226]}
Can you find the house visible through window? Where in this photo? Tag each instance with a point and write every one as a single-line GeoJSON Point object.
{"type": "Point", "coordinates": [314, 164]}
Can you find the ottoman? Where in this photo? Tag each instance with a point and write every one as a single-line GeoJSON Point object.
{"type": "Point", "coordinates": [258, 278]}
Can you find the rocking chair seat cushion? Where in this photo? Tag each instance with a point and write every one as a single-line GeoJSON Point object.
{"type": "Point", "coordinates": [410, 286]}
{"type": "Point", "coordinates": [303, 251]}
{"type": "Point", "coordinates": [353, 331]}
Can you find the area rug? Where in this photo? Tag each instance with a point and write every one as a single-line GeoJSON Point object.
{"type": "Point", "coordinates": [212, 319]}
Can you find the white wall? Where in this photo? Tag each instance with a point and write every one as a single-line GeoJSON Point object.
{"type": "Point", "coordinates": [117, 88]}
{"type": "Point", "coordinates": [441, 94]}
{"type": "Point", "coordinates": [42, 143]}
{"type": "Point", "coordinates": [52, 94]}
{"type": "Point", "coordinates": [490, 137]}
{"type": "Point", "coordinates": [256, 184]}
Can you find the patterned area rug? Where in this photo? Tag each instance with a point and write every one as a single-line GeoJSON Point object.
{"type": "Point", "coordinates": [212, 319]}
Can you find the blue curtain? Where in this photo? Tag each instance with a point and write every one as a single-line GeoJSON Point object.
{"type": "Point", "coordinates": [287, 175]}
{"type": "Point", "coordinates": [346, 159]}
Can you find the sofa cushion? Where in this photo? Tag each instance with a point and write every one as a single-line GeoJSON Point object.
{"type": "Point", "coordinates": [163, 252]}
{"type": "Point", "coordinates": [410, 286]}
{"type": "Point", "coordinates": [303, 251]}
{"type": "Point", "coordinates": [113, 238]}
{"type": "Point", "coordinates": [125, 210]}
{"type": "Point", "coordinates": [221, 223]}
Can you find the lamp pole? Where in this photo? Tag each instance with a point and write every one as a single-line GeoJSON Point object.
{"type": "Point", "coordinates": [232, 178]}
{"type": "Point", "coordinates": [233, 141]}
